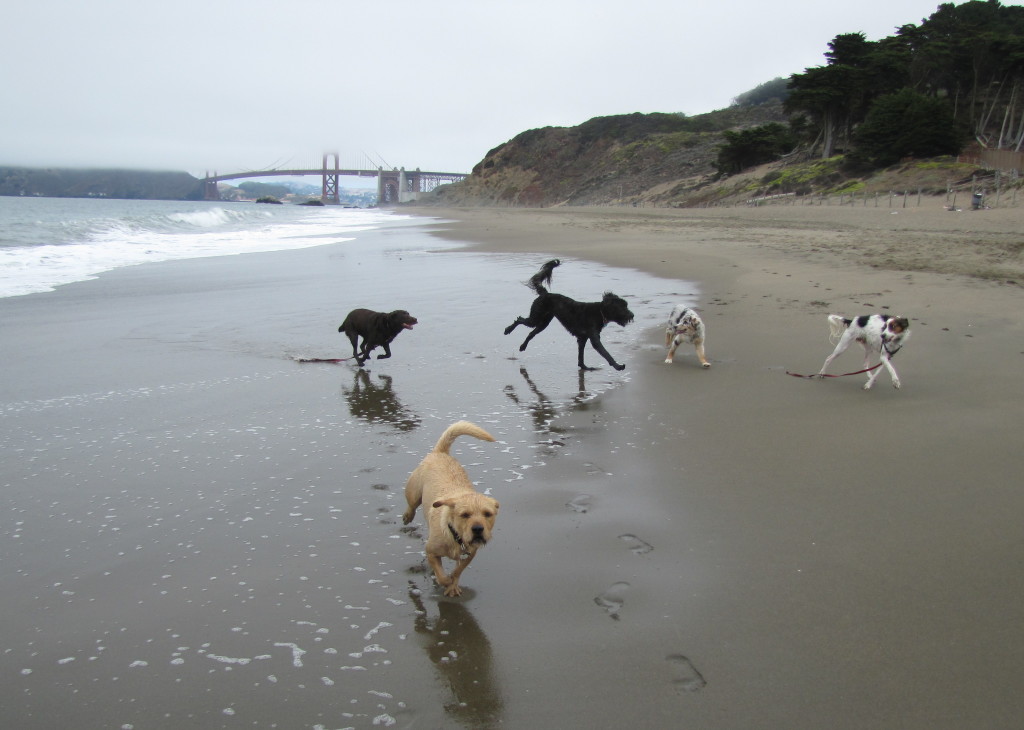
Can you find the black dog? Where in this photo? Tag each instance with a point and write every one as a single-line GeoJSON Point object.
{"type": "Point", "coordinates": [377, 330]}
{"type": "Point", "coordinates": [583, 320]}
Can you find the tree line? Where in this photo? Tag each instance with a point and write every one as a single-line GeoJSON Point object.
{"type": "Point", "coordinates": [926, 91]}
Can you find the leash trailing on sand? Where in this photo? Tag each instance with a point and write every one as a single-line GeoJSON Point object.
{"type": "Point", "coordinates": [856, 372]}
{"type": "Point", "coordinates": [322, 359]}
{"type": "Point", "coordinates": [827, 375]}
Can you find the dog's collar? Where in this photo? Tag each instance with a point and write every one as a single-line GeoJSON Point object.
{"type": "Point", "coordinates": [456, 535]}
{"type": "Point", "coordinates": [464, 547]}
{"type": "Point", "coordinates": [885, 346]}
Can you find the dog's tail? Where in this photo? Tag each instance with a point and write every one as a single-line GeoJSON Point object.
{"type": "Point", "coordinates": [460, 428]}
{"type": "Point", "coordinates": [837, 324]}
{"type": "Point", "coordinates": [543, 276]}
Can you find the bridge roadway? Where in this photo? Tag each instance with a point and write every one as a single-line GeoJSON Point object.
{"type": "Point", "coordinates": [395, 185]}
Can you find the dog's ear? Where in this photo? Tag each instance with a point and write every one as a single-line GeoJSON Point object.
{"type": "Point", "coordinates": [442, 503]}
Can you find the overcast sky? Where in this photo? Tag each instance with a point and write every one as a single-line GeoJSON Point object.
{"type": "Point", "coordinates": [233, 85]}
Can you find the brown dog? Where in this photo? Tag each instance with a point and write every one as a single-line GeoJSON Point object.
{"type": "Point", "coordinates": [378, 329]}
{"type": "Point", "coordinates": [459, 519]}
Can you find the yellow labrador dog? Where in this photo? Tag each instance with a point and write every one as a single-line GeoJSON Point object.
{"type": "Point", "coordinates": [459, 519]}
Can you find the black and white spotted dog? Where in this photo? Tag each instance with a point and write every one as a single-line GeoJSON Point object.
{"type": "Point", "coordinates": [685, 326]}
{"type": "Point", "coordinates": [884, 334]}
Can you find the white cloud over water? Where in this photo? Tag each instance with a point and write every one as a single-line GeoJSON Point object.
{"type": "Point", "coordinates": [232, 85]}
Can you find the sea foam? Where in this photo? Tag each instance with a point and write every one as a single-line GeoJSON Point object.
{"type": "Point", "coordinates": [50, 242]}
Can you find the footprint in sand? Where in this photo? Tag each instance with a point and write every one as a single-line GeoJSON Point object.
{"type": "Point", "coordinates": [612, 599]}
{"type": "Point", "coordinates": [687, 675]}
{"type": "Point", "coordinates": [580, 504]}
{"type": "Point", "coordinates": [635, 544]}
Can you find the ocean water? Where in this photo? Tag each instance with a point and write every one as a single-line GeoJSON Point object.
{"type": "Point", "coordinates": [47, 242]}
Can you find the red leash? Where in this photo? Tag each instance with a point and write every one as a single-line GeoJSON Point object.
{"type": "Point", "coordinates": [826, 375]}
{"type": "Point", "coordinates": [857, 372]}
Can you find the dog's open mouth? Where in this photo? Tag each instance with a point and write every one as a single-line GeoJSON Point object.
{"type": "Point", "coordinates": [408, 325]}
{"type": "Point", "coordinates": [478, 540]}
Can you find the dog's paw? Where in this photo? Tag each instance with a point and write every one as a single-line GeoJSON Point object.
{"type": "Point", "coordinates": [619, 367]}
{"type": "Point", "coordinates": [896, 383]}
{"type": "Point", "coordinates": [867, 385]}
{"type": "Point", "coordinates": [705, 365]}
{"type": "Point", "coordinates": [668, 361]}
{"type": "Point", "coordinates": [453, 591]}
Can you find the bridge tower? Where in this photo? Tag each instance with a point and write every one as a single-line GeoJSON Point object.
{"type": "Point", "coordinates": [388, 186]}
{"type": "Point", "coordinates": [398, 186]}
{"type": "Point", "coordinates": [210, 191]}
{"type": "Point", "coordinates": [329, 191]}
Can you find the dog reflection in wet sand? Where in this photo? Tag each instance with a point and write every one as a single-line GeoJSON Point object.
{"type": "Point", "coordinates": [376, 402]}
{"type": "Point", "coordinates": [461, 652]}
{"type": "Point", "coordinates": [459, 519]}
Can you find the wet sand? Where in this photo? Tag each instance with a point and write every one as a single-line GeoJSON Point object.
{"type": "Point", "coordinates": [822, 555]}
{"type": "Point", "coordinates": [198, 529]}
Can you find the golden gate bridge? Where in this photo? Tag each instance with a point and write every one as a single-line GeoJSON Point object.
{"type": "Point", "coordinates": [394, 185]}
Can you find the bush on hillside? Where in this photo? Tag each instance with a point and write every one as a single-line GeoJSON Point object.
{"type": "Point", "coordinates": [752, 147]}
{"type": "Point", "coordinates": [907, 124]}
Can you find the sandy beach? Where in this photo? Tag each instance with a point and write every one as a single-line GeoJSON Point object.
{"type": "Point", "coordinates": [200, 530]}
{"type": "Point", "coordinates": [846, 558]}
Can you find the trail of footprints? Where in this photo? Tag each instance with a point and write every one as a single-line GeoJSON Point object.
{"type": "Point", "coordinates": [687, 676]}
